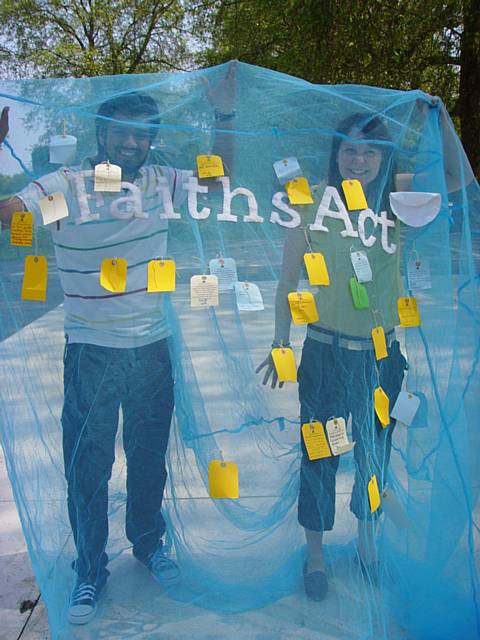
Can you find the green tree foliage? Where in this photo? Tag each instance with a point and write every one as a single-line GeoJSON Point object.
{"type": "Point", "coordinates": [403, 44]}
{"type": "Point", "coordinates": [92, 37]}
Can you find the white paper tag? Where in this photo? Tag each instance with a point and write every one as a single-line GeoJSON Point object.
{"type": "Point", "coordinates": [337, 436]}
{"type": "Point", "coordinates": [287, 169]}
{"type": "Point", "coordinates": [361, 266]}
{"type": "Point", "coordinates": [226, 271]}
{"type": "Point", "coordinates": [249, 297]}
{"type": "Point", "coordinates": [204, 291]}
{"type": "Point", "coordinates": [405, 407]}
{"type": "Point", "coordinates": [419, 275]}
{"type": "Point", "coordinates": [53, 207]}
{"type": "Point", "coordinates": [108, 177]}
{"type": "Point", "coordinates": [393, 509]}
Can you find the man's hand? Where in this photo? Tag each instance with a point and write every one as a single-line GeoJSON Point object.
{"type": "Point", "coordinates": [270, 371]}
{"type": "Point", "coordinates": [3, 124]}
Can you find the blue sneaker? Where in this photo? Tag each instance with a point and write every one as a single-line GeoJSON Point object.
{"type": "Point", "coordinates": [163, 569]}
{"type": "Point", "coordinates": [83, 603]}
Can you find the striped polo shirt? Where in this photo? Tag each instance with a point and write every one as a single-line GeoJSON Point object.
{"type": "Point", "coordinates": [128, 225]}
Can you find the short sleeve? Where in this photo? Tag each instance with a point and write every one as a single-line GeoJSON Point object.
{"type": "Point", "coordinates": [37, 189]}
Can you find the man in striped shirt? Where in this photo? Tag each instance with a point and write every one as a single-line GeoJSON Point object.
{"type": "Point", "coordinates": [117, 352]}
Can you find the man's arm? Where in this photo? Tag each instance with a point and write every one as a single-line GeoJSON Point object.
{"type": "Point", "coordinates": [8, 206]}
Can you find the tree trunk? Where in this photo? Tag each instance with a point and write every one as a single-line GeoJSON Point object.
{"type": "Point", "coordinates": [469, 98]}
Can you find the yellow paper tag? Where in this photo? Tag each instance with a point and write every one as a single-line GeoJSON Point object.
{"type": "Point", "coordinates": [316, 269]}
{"type": "Point", "coordinates": [161, 276]}
{"type": "Point", "coordinates": [302, 307]}
{"type": "Point", "coordinates": [298, 191]}
{"type": "Point", "coordinates": [354, 195]}
{"type": "Point", "coordinates": [315, 440]}
{"type": "Point", "coordinates": [209, 166]}
{"type": "Point", "coordinates": [408, 312]}
{"type": "Point", "coordinates": [223, 479]}
{"type": "Point", "coordinates": [113, 274]}
{"type": "Point", "coordinates": [34, 286]}
{"type": "Point", "coordinates": [285, 365]}
{"type": "Point", "coordinates": [379, 342]}
{"type": "Point", "coordinates": [373, 494]}
{"type": "Point", "coordinates": [108, 177]}
{"type": "Point", "coordinates": [382, 406]}
{"type": "Point", "coordinates": [21, 230]}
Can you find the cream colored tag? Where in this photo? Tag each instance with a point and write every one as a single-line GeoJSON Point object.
{"type": "Point", "coordinates": [223, 479]}
{"type": "Point", "coordinates": [21, 229]}
{"type": "Point", "coordinates": [337, 436]}
{"type": "Point", "coordinates": [34, 285]}
{"type": "Point", "coordinates": [204, 291]}
{"type": "Point", "coordinates": [108, 177]}
{"type": "Point", "coordinates": [285, 366]}
{"type": "Point", "coordinates": [161, 276]}
{"type": "Point", "coordinates": [315, 440]}
{"type": "Point", "coordinates": [302, 307]}
{"type": "Point", "coordinates": [53, 207]}
{"type": "Point", "coordinates": [316, 269]}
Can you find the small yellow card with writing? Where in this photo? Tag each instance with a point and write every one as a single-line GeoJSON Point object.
{"type": "Point", "coordinates": [21, 229]}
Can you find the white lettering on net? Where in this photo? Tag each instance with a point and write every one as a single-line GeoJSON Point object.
{"type": "Point", "coordinates": [342, 214]}
{"type": "Point", "coordinates": [162, 187]}
{"type": "Point", "coordinates": [228, 195]}
{"type": "Point", "coordinates": [83, 197]}
{"type": "Point", "coordinates": [362, 217]}
{"type": "Point", "coordinates": [278, 201]}
{"type": "Point", "coordinates": [194, 188]}
{"type": "Point", "coordinates": [386, 224]}
{"type": "Point", "coordinates": [133, 204]}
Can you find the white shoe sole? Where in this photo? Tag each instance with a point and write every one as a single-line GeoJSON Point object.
{"type": "Point", "coordinates": [81, 618]}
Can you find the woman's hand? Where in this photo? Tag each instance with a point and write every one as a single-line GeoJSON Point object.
{"type": "Point", "coordinates": [3, 124]}
{"type": "Point", "coordinates": [270, 371]}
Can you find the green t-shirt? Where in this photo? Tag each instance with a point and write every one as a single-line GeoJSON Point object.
{"type": "Point", "coordinates": [334, 302]}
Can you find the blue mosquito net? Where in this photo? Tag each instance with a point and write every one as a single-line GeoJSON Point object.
{"type": "Point", "coordinates": [357, 201]}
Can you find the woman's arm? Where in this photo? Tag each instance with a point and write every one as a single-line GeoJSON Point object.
{"type": "Point", "coordinates": [293, 252]}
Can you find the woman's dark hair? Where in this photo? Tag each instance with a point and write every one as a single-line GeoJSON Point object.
{"type": "Point", "coordinates": [370, 128]}
{"type": "Point", "coordinates": [133, 104]}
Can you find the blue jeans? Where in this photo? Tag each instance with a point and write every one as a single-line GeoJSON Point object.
{"type": "Point", "coordinates": [335, 381]}
{"type": "Point", "coordinates": [97, 382]}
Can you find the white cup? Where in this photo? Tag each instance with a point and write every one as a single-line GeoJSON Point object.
{"type": "Point", "coordinates": [63, 149]}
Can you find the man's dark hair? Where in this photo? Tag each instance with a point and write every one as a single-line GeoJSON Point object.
{"type": "Point", "coordinates": [133, 104]}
